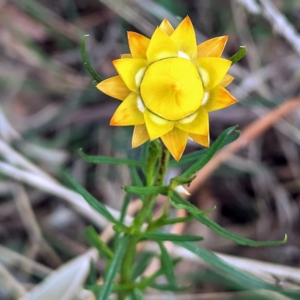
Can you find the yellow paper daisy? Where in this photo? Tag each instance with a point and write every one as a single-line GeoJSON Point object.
{"type": "Point", "coordinates": [168, 86]}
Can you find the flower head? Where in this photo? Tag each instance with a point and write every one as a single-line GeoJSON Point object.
{"type": "Point", "coordinates": [168, 85]}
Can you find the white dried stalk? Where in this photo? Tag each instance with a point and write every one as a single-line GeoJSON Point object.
{"type": "Point", "coordinates": [277, 20]}
{"type": "Point", "coordinates": [57, 189]}
{"type": "Point", "coordinates": [250, 5]}
{"type": "Point", "coordinates": [280, 24]}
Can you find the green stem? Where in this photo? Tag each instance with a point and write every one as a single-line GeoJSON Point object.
{"type": "Point", "coordinates": [153, 178]}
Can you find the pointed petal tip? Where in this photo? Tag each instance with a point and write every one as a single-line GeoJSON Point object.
{"type": "Point", "coordinates": [166, 26]}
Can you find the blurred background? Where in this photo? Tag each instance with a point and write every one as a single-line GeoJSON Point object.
{"type": "Point", "coordinates": [49, 108]}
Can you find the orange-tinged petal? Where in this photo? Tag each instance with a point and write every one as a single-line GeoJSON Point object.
{"type": "Point", "coordinates": [175, 141]}
{"type": "Point", "coordinates": [212, 70]}
{"type": "Point", "coordinates": [161, 46]}
{"type": "Point", "coordinates": [156, 126]}
{"type": "Point", "coordinates": [200, 139]}
{"type": "Point", "coordinates": [196, 123]}
{"type": "Point", "coordinates": [213, 47]}
{"type": "Point", "coordinates": [226, 80]}
{"type": "Point", "coordinates": [218, 98]}
{"type": "Point", "coordinates": [138, 44]}
{"type": "Point", "coordinates": [140, 135]}
{"type": "Point", "coordinates": [126, 55]}
{"type": "Point", "coordinates": [131, 71]}
{"type": "Point", "coordinates": [166, 26]}
{"type": "Point", "coordinates": [128, 112]}
{"type": "Point", "coordinates": [114, 87]}
{"type": "Point", "coordinates": [185, 38]}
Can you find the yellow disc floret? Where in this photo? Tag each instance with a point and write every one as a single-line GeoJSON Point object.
{"type": "Point", "coordinates": [172, 88]}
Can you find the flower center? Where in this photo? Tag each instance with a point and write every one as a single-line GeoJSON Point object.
{"type": "Point", "coordinates": [172, 88]}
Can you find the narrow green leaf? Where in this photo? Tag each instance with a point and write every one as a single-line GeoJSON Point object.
{"type": "Point", "coordinates": [114, 268]}
{"type": "Point", "coordinates": [86, 63]}
{"type": "Point", "coordinates": [146, 190]}
{"type": "Point", "coordinates": [93, 202]}
{"type": "Point", "coordinates": [196, 155]}
{"type": "Point", "coordinates": [180, 203]}
{"type": "Point", "coordinates": [95, 241]}
{"type": "Point", "coordinates": [242, 278]}
{"type": "Point", "coordinates": [177, 220]}
{"type": "Point", "coordinates": [167, 264]}
{"type": "Point", "coordinates": [142, 262]}
{"type": "Point", "coordinates": [168, 237]}
{"type": "Point", "coordinates": [210, 152]}
{"type": "Point", "coordinates": [145, 282]}
{"type": "Point", "coordinates": [124, 207]}
{"type": "Point", "coordinates": [239, 55]}
{"type": "Point", "coordinates": [168, 287]}
{"type": "Point", "coordinates": [95, 159]}
{"type": "Point", "coordinates": [135, 177]}
{"type": "Point", "coordinates": [136, 294]}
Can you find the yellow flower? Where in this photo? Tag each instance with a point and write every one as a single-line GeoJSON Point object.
{"type": "Point", "coordinates": [168, 86]}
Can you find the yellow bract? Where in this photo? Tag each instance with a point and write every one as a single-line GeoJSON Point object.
{"type": "Point", "coordinates": [168, 86]}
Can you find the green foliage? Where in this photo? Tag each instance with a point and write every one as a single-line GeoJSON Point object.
{"type": "Point", "coordinates": [180, 203]}
{"type": "Point", "coordinates": [114, 268]}
{"type": "Point", "coordinates": [93, 202]}
{"type": "Point", "coordinates": [243, 279]}
{"type": "Point", "coordinates": [196, 155]}
{"type": "Point", "coordinates": [167, 264]}
{"type": "Point", "coordinates": [208, 155]}
{"type": "Point", "coordinates": [98, 159]}
{"type": "Point", "coordinates": [239, 55]}
{"type": "Point", "coordinates": [86, 62]}
{"type": "Point", "coordinates": [95, 241]}
{"type": "Point", "coordinates": [146, 190]}
{"type": "Point", "coordinates": [154, 163]}
{"type": "Point", "coordinates": [142, 262]}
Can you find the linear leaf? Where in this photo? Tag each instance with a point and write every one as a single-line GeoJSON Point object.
{"type": "Point", "coordinates": [114, 267]}
{"type": "Point", "coordinates": [167, 264]}
{"type": "Point", "coordinates": [210, 152]}
{"type": "Point", "coordinates": [169, 237]}
{"type": "Point", "coordinates": [180, 203]}
{"type": "Point", "coordinates": [191, 157]}
{"type": "Point", "coordinates": [95, 159]}
{"type": "Point", "coordinates": [95, 241]}
{"type": "Point", "coordinates": [239, 55]}
{"type": "Point", "coordinates": [86, 62]}
{"type": "Point", "coordinates": [242, 278]}
{"type": "Point", "coordinates": [93, 202]}
{"type": "Point", "coordinates": [146, 190]}
{"type": "Point", "coordinates": [168, 287]}
{"type": "Point", "coordinates": [143, 260]}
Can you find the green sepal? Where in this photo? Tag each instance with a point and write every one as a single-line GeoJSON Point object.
{"type": "Point", "coordinates": [86, 62]}
{"type": "Point", "coordinates": [239, 55]}
{"type": "Point", "coordinates": [179, 202]}
{"type": "Point", "coordinates": [99, 159]}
